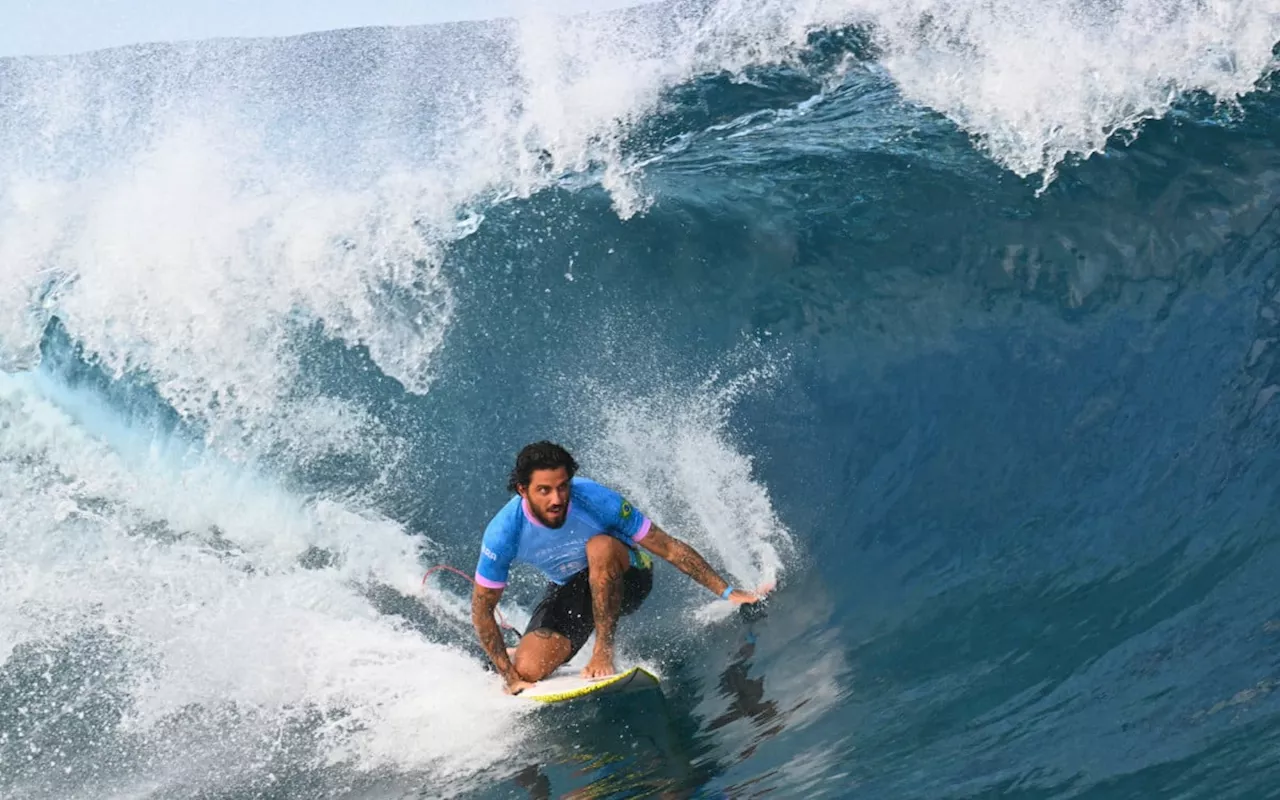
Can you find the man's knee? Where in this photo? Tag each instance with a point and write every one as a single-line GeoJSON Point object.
{"type": "Point", "coordinates": [532, 668]}
{"type": "Point", "coordinates": [607, 554]}
{"type": "Point", "coordinates": [541, 651]}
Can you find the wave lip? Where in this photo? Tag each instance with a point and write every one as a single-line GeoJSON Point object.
{"type": "Point", "coordinates": [1035, 83]}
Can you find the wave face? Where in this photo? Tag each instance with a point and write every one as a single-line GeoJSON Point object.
{"type": "Point", "coordinates": [957, 321]}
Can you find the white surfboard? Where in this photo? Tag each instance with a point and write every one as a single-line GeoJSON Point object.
{"type": "Point", "coordinates": [567, 684]}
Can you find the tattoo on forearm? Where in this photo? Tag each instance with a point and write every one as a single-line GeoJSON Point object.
{"type": "Point", "coordinates": [490, 635]}
{"type": "Point", "coordinates": [606, 601]}
{"type": "Point", "coordinates": [687, 560]}
{"type": "Point", "coordinates": [493, 643]}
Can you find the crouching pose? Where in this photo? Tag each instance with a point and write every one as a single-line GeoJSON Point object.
{"type": "Point", "coordinates": [586, 539]}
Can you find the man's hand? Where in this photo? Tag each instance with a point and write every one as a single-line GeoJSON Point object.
{"type": "Point", "coordinates": [515, 684]}
{"type": "Point", "coordinates": [741, 597]}
{"type": "Point", "coordinates": [600, 665]}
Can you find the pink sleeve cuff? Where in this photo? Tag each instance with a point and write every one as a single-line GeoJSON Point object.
{"type": "Point", "coordinates": [488, 584]}
{"type": "Point", "coordinates": [644, 530]}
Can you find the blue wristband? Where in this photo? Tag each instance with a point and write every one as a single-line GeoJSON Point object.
{"type": "Point", "coordinates": [728, 590]}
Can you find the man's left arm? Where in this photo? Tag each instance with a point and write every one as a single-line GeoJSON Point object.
{"type": "Point", "coordinates": [684, 558]}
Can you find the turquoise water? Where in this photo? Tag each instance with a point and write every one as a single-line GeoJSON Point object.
{"type": "Point", "coordinates": [842, 295]}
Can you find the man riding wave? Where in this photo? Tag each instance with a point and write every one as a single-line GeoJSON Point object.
{"type": "Point", "coordinates": [585, 538]}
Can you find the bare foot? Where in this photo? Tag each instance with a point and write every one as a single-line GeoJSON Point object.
{"type": "Point", "coordinates": [600, 666]}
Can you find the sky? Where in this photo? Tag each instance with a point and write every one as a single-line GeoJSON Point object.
{"type": "Point", "coordinates": [57, 27]}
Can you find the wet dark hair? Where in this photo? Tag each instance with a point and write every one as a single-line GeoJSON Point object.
{"type": "Point", "coordinates": [539, 455]}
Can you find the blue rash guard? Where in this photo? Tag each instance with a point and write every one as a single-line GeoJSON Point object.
{"type": "Point", "coordinates": [515, 534]}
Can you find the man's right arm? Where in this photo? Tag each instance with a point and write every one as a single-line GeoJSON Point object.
{"type": "Point", "coordinates": [483, 603]}
{"type": "Point", "coordinates": [497, 551]}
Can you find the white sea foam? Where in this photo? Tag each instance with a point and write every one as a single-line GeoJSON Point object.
{"type": "Point", "coordinates": [672, 452]}
{"type": "Point", "coordinates": [1034, 83]}
{"type": "Point", "coordinates": [194, 569]}
{"type": "Point", "coordinates": [184, 210]}
{"type": "Point", "coordinates": [1037, 82]}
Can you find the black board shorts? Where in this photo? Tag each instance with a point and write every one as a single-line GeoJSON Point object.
{"type": "Point", "coordinates": [566, 607]}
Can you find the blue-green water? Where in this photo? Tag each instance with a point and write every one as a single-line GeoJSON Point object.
{"type": "Point", "coordinates": [832, 293]}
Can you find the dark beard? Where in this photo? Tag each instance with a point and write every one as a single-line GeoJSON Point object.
{"type": "Point", "coordinates": [547, 523]}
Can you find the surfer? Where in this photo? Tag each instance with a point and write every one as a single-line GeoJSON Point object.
{"type": "Point", "coordinates": [586, 539]}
